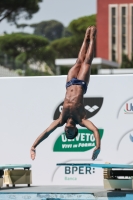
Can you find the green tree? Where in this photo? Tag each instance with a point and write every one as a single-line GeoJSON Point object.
{"type": "Point", "coordinates": [13, 9]}
{"type": "Point", "coordinates": [126, 62]}
{"type": "Point", "coordinates": [22, 25]}
{"type": "Point", "coordinates": [78, 26]}
{"type": "Point", "coordinates": [50, 29]}
{"type": "Point", "coordinates": [31, 72]}
{"type": "Point", "coordinates": [66, 32]}
{"type": "Point", "coordinates": [68, 47]}
{"type": "Point", "coordinates": [22, 48]}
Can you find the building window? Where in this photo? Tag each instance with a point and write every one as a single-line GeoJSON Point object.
{"type": "Point", "coordinates": [113, 55]}
{"type": "Point", "coordinates": [113, 32]}
{"type": "Point", "coordinates": [123, 27]}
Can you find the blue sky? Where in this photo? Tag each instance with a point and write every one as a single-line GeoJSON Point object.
{"type": "Point", "coordinates": [61, 10]}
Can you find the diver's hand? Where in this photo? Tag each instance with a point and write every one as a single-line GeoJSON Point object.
{"type": "Point", "coordinates": [95, 153]}
{"type": "Point", "coordinates": [32, 153]}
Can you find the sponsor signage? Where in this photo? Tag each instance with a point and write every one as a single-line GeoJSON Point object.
{"type": "Point", "coordinates": [83, 142]}
{"type": "Point", "coordinates": [77, 174]}
{"type": "Point", "coordinates": [109, 102]}
{"type": "Point", "coordinates": [79, 170]}
{"type": "Point", "coordinates": [92, 106]}
{"type": "Point", "coordinates": [129, 108]}
{"type": "Point", "coordinates": [126, 108]}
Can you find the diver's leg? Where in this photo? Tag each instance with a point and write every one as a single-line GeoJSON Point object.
{"type": "Point", "coordinates": [73, 72]}
{"type": "Point", "coordinates": [85, 70]}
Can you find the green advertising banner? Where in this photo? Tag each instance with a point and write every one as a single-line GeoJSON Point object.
{"type": "Point", "coordinates": [83, 142]}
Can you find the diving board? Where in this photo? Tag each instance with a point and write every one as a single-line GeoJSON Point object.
{"type": "Point", "coordinates": [12, 174]}
{"type": "Point", "coordinates": [116, 166]}
{"type": "Point", "coordinates": [115, 176]}
{"type": "Point", "coordinates": [15, 166]}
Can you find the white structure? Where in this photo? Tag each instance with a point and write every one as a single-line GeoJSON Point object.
{"type": "Point", "coordinates": [40, 66]}
{"type": "Point", "coordinates": [115, 71]}
{"type": "Point", "coordinates": [27, 107]}
{"type": "Point", "coordinates": [97, 63]}
{"type": "Point", "coordinates": [5, 72]}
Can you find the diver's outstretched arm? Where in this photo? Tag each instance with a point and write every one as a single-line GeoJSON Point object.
{"type": "Point", "coordinates": [43, 136]}
{"type": "Point", "coordinates": [89, 125]}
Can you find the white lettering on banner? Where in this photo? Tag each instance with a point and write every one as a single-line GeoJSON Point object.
{"type": "Point", "coordinates": [87, 136]}
{"type": "Point", "coordinates": [75, 146]}
{"type": "Point", "coordinates": [82, 137]}
{"type": "Point", "coordinates": [92, 139]}
{"type": "Point", "coordinates": [86, 144]}
{"type": "Point", "coordinates": [87, 107]}
{"type": "Point", "coordinates": [64, 139]}
{"type": "Point", "coordinates": [66, 146]}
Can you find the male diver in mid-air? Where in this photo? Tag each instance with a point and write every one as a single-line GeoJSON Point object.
{"type": "Point", "coordinates": [73, 111]}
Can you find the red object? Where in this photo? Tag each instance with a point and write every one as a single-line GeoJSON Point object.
{"type": "Point", "coordinates": [102, 47]}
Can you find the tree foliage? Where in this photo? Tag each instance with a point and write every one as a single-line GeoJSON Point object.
{"type": "Point", "coordinates": [15, 43]}
{"type": "Point", "coordinates": [68, 47]}
{"type": "Point", "coordinates": [78, 26]}
{"type": "Point", "coordinates": [22, 48]}
{"type": "Point", "coordinates": [21, 25]}
{"type": "Point", "coordinates": [13, 9]}
{"type": "Point", "coordinates": [66, 32]}
{"type": "Point", "coordinates": [50, 29]}
{"type": "Point", "coordinates": [126, 62]}
{"type": "Point", "coordinates": [57, 42]}
{"type": "Point", "coordinates": [31, 72]}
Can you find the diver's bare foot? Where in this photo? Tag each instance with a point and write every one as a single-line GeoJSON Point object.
{"type": "Point", "coordinates": [33, 153]}
{"type": "Point", "coordinates": [93, 33]}
{"type": "Point", "coordinates": [87, 34]}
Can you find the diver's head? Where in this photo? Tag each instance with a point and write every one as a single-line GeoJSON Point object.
{"type": "Point", "coordinates": [71, 130]}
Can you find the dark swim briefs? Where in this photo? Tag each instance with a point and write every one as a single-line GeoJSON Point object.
{"type": "Point", "coordinates": [75, 81]}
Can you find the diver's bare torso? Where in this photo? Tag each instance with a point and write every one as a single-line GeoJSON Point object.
{"type": "Point", "coordinates": [73, 107]}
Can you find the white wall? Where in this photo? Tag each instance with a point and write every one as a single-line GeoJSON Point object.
{"type": "Point", "coordinates": [27, 106]}
{"type": "Point", "coordinates": [115, 71]}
